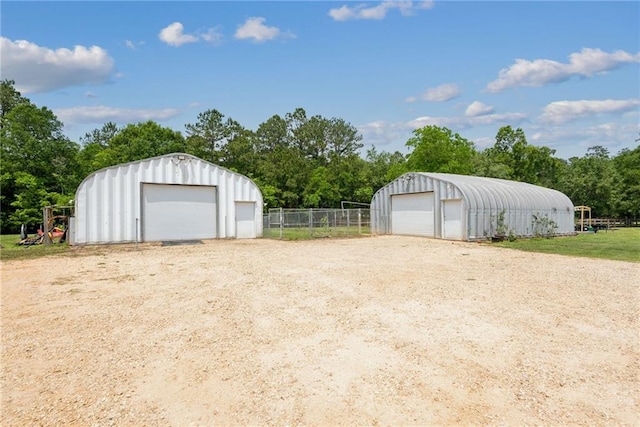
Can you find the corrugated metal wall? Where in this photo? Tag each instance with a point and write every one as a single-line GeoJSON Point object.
{"type": "Point", "coordinates": [107, 203]}
{"type": "Point", "coordinates": [483, 201]}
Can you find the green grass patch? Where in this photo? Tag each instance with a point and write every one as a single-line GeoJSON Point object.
{"type": "Point", "coordinates": [11, 250]}
{"type": "Point", "coordinates": [621, 244]}
{"type": "Point", "coordinates": [304, 233]}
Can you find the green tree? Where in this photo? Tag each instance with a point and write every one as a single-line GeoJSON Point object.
{"type": "Point", "coordinates": [507, 156]}
{"type": "Point", "coordinates": [33, 142]}
{"type": "Point", "coordinates": [322, 140]}
{"type": "Point", "coordinates": [287, 170]}
{"type": "Point", "coordinates": [139, 141]}
{"type": "Point", "coordinates": [352, 180]}
{"type": "Point", "coordinates": [310, 136]}
{"type": "Point", "coordinates": [438, 149]}
{"type": "Point", "coordinates": [591, 181]}
{"type": "Point", "coordinates": [321, 190]}
{"type": "Point", "coordinates": [542, 167]}
{"type": "Point", "coordinates": [272, 134]}
{"type": "Point", "coordinates": [627, 165]}
{"type": "Point", "coordinates": [270, 194]}
{"type": "Point", "coordinates": [239, 153]}
{"type": "Point", "coordinates": [343, 140]}
{"type": "Point", "coordinates": [487, 165]}
{"type": "Point", "coordinates": [9, 98]}
{"type": "Point", "coordinates": [208, 137]}
{"type": "Point", "coordinates": [310, 161]}
{"type": "Point", "coordinates": [384, 167]}
{"type": "Point", "coordinates": [31, 197]}
{"type": "Point", "coordinates": [92, 144]}
{"type": "Point", "coordinates": [282, 162]}
{"type": "Point", "coordinates": [512, 157]}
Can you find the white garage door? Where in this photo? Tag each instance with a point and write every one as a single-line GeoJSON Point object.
{"type": "Point", "coordinates": [452, 221]}
{"type": "Point", "coordinates": [245, 220]}
{"type": "Point", "coordinates": [413, 214]}
{"type": "Point", "coordinates": [178, 212]}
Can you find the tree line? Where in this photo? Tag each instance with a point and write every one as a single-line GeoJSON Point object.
{"type": "Point", "coordinates": [297, 160]}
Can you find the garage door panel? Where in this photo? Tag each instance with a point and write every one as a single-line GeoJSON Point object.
{"type": "Point", "coordinates": [178, 212]}
{"type": "Point", "coordinates": [413, 214]}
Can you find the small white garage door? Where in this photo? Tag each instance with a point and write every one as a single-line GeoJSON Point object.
{"type": "Point", "coordinates": [413, 214]}
{"type": "Point", "coordinates": [452, 221]}
{"type": "Point", "coordinates": [178, 212]}
{"type": "Point", "coordinates": [245, 220]}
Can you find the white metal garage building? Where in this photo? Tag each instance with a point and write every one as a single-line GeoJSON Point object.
{"type": "Point", "coordinates": [167, 198]}
{"type": "Point", "coordinates": [460, 207]}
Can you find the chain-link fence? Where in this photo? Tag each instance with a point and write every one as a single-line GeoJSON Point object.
{"type": "Point", "coordinates": [315, 223]}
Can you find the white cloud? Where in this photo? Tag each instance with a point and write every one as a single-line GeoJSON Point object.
{"type": "Point", "coordinates": [383, 133]}
{"type": "Point", "coordinates": [477, 108]}
{"type": "Point", "coordinates": [39, 69]}
{"type": "Point", "coordinates": [213, 36]}
{"type": "Point", "coordinates": [468, 122]}
{"type": "Point", "coordinates": [440, 93]}
{"type": "Point", "coordinates": [484, 142]}
{"type": "Point", "coordinates": [564, 111]}
{"type": "Point", "coordinates": [173, 35]}
{"type": "Point", "coordinates": [375, 12]}
{"type": "Point", "coordinates": [255, 29]}
{"type": "Point", "coordinates": [361, 11]}
{"type": "Point", "coordinates": [343, 13]}
{"type": "Point", "coordinates": [566, 140]}
{"type": "Point", "coordinates": [594, 61]}
{"type": "Point", "coordinates": [571, 141]}
{"type": "Point", "coordinates": [132, 45]}
{"type": "Point", "coordinates": [540, 72]}
{"type": "Point", "coordinates": [101, 114]}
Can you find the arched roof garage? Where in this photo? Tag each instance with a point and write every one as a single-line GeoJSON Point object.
{"type": "Point", "coordinates": [461, 207]}
{"type": "Point", "coordinates": [171, 197]}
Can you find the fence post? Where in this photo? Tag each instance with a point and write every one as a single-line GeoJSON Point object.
{"type": "Point", "coordinates": [348, 223]}
{"type": "Point", "coordinates": [359, 221]}
{"type": "Point", "coordinates": [310, 222]}
{"type": "Point", "coordinates": [281, 222]}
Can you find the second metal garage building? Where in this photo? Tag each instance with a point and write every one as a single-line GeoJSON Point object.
{"type": "Point", "coordinates": [460, 207]}
{"type": "Point", "coordinates": [171, 197]}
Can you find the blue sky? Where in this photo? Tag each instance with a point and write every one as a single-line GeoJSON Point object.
{"type": "Point", "coordinates": [568, 73]}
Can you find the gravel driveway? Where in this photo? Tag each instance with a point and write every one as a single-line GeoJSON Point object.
{"type": "Point", "coordinates": [384, 330]}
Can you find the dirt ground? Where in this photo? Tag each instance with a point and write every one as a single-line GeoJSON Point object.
{"type": "Point", "coordinates": [385, 330]}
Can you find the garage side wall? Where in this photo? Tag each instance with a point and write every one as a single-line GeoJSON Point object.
{"type": "Point", "coordinates": [107, 203]}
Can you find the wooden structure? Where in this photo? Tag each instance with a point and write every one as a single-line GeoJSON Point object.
{"type": "Point", "coordinates": [582, 210]}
